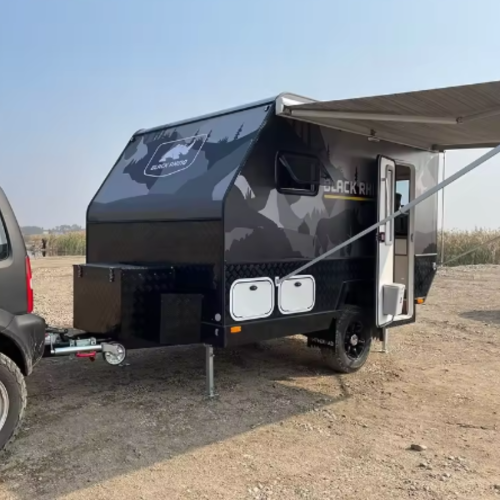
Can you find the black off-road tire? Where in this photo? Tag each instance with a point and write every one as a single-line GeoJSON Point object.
{"type": "Point", "coordinates": [15, 385]}
{"type": "Point", "coordinates": [340, 359]}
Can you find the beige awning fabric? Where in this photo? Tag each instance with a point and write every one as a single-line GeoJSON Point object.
{"type": "Point", "coordinates": [462, 117]}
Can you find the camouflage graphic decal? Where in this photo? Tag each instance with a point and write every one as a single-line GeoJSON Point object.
{"type": "Point", "coordinates": [262, 224]}
{"type": "Point", "coordinates": [178, 173]}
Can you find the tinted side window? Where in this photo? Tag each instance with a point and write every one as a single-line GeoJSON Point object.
{"type": "Point", "coordinates": [4, 241]}
{"type": "Point", "coordinates": [297, 174]}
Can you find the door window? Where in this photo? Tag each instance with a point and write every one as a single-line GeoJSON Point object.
{"type": "Point", "coordinates": [403, 189]}
{"type": "Point", "coordinates": [402, 198]}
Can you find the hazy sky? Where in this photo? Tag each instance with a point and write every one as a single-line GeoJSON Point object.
{"type": "Point", "coordinates": [78, 77]}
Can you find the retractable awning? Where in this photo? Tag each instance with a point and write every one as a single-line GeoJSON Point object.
{"type": "Point", "coordinates": [462, 117]}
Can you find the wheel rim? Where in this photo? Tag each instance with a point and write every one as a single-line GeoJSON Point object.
{"type": "Point", "coordinates": [355, 340]}
{"type": "Point", "coordinates": [4, 405]}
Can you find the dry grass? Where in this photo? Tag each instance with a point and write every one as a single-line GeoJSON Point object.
{"type": "Point", "coordinates": [458, 242]}
{"type": "Point", "coordinates": [58, 245]}
{"type": "Point", "coordinates": [455, 244]}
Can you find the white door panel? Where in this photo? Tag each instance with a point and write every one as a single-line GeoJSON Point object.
{"type": "Point", "coordinates": [385, 235]}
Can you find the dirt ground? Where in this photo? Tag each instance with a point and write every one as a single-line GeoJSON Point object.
{"type": "Point", "coordinates": [282, 426]}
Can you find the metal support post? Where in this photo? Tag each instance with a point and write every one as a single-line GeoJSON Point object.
{"type": "Point", "coordinates": [385, 342]}
{"type": "Point", "coordinates": [209, 367]}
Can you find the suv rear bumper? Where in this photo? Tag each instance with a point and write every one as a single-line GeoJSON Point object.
{"type": "Point", "coordinates": [27, 331]}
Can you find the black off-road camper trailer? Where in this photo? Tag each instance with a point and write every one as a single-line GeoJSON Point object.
{"type": "Point", "coordinates": [274, 219]}
{"type": "Point", "coordinates": [189, 233]}
{"type": "Point", "coordinates": [257, 222]}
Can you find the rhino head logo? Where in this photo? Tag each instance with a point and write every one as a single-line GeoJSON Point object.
{"type": "Point", "coordinates": [174, 156]}
{"type": "Point", "coordinates": [177, 151]}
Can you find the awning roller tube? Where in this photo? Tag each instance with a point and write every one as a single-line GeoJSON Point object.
{"type": "Point", "coordinates": [352, 115]}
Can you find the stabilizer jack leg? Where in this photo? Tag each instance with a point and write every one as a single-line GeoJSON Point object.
{"type": "Point", "coordinates": [209, 367]}
{"type": "Point", "coordinates": [385, 341]}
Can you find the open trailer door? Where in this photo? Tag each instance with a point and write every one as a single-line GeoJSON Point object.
{"type": "Point", "coordinates": [385, 239]}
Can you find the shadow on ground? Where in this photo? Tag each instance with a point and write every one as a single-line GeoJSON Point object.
{"type": "Point", "coordinates": [88, 422]}
{"type": "Point", "coordinates": [483, 316]}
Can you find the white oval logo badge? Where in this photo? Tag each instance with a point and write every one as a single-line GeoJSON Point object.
{"type": "Point", "coordinates": [174, 156]}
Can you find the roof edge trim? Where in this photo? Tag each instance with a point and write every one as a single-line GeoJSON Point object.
{"type": "Point", "coordinates": [207, 116]}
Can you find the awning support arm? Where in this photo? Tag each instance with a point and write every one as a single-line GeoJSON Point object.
{"type": "Point", "coordinates": [471, 166]}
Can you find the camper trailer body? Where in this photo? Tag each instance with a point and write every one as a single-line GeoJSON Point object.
{"type": "Point", "coordinates": [197, 222]}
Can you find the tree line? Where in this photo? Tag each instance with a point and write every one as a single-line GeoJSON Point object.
{"type": "Point", "coordinates": [63, 229]}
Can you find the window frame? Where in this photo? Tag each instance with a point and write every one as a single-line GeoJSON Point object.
{"type": "Point", "coordinates": [300, 191]}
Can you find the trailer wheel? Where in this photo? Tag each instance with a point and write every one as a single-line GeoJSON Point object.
{"type": "Point", "coordinates": [353, 332]}
{"type": "Point", "coordinates": [13, 396]}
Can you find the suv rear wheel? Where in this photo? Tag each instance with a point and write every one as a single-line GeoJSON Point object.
{"type": "Point", "coordinates": [13, 397]}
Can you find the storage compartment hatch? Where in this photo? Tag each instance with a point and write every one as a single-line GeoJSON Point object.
{"type": "Point", "coordinates": [297, 295]}
{"type": "Point", "coordinates": [251, 299]}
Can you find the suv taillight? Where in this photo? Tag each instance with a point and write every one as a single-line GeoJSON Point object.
{"type": "Point", "coordinates": [29, 285]}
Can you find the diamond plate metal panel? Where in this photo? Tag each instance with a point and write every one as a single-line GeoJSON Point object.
{"type": "Point", "coordinates": [141, 301]}
{"type": "Point", "coordinates": [128, 306]}
{"type": "Point", "coordinates": [180, 318]}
